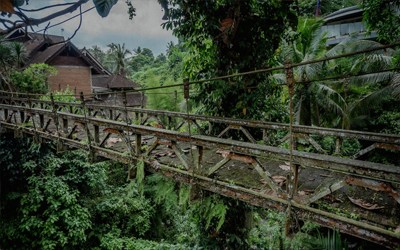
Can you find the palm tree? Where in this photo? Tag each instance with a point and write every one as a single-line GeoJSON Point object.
{"type": "Point", "coordinates": [12, 56]}
{"type": "Point", "coordinates": [137, 51]}
{"type": "Point", "coordinates": [356, 113]}
{"type": "Point", "coordinates": [326, 103]}
{"type": "Point", "coordinates": [117, 58]}
{"type": "Point", "coordinates": [170, 47]}
{"type": "Point", "coordinates": [98, 53]}
{"type": "Point", "coordinates": [311, 98]}
{"type": "Point", "coordinates": [19, 51]}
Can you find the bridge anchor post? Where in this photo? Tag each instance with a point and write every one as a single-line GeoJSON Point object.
{"type": "Point", "coordinates": [292, 178]}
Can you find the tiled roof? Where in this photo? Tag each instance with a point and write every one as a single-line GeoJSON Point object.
{"type": "Point", "coordinates": [38, 40]}
{"type": "Point", "coordinates": [44, 56]}
{"type": "Point", "coordinates": [100, 81]}
{"type": "Point", "coordinates": [102, 70]}
{"type": "Point", "coordinates": [114, 82]}
{"type": "Point", "coordinates": [132, 99]}
{"type": "Point", "coordinates": [119, 81]}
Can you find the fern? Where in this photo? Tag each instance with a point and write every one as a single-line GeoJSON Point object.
{"type": "Point", "coordinates": [332, 241]}
{"type": "Point", "coordinates": [162, 191]}
{"type": "Point", "coordinates": [213, 209]}
{"type": "Point", "coordinates": [131, 190]}
{"type": "Point", "coordinates": [184, 195]}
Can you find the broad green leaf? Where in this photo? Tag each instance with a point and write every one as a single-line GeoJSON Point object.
{"type": "Point", "coordinates": [103, 7]}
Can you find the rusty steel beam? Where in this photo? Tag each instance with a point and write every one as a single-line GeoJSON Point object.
{"type": "Point", "coordinates": [361, 135]}
{"type": "Point", "coordinates": [374, 185]}
{"type": "Point", "coordinates": [330, 188]}
{"type": "Point", "coordinates": [152, 147]}
{"type": "Point", "coordinates": [346, 225]}
{"type": "Point", "coordinates": [218, 166]}
{"type": "Point", "coordinates": [333, 163]}
{"type": "Point", "coordinates": [266, 175]}
{"type": "Point", "coordinates": [347, 166]}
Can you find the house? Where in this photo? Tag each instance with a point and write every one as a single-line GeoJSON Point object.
{"type": "Point", "coordinates": [76, 68]}
{"type": "Point", "coordinates": [344, 22]}
{"type": "Point", "coordinates": [117, 83]}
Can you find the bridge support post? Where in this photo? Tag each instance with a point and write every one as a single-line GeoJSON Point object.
{"type": "Point", "coordinates": [199, 159]}
{"type": "Point", "coordinates": [169, 124]}
{"type": "Point", "coordinates": [22, 116]}
{"type": "Point", "coordinates": [338, 144]}
{"type": "Point", "coordinates": [138, 145]}
{"type": "Point", "coordinates": [5, 114]}
{"type": "Point", "coordinates": [41, 120]}
{"type": "Point", "coordinates": [111, 115]}
{"type": "Point", "coordinates": [96, 134]}
{"type": "Point", "coordinates": [92, 153]}
{"type": "Point", "coordinates": [65, 126]}
{"type": "Point", "coordinates": [294, 169]}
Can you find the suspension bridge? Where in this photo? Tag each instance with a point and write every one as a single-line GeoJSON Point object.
{"type": "Point", "coordinates": [358, 197]}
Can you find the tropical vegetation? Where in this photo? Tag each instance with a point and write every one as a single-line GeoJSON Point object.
{"type": "Point", "coordinates": [60, 201]}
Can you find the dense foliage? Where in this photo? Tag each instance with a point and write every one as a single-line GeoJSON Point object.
{"type": "Point", "coordinates": [228, 37]}
{"type": "Point", "coordinates": [59, 201]}
{"type": "Point", "coordinates": [308, 7]}
{"type": "Point", "coordinates": [33, 79]}
{"type": "Point", "coordinates": [382, 16]}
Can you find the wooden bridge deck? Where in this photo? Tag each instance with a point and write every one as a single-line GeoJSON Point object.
{"type": "Point", "coordinates": [328, 190]}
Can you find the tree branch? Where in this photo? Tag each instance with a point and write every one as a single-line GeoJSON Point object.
{"type": "Point", "coordinates": [33, 21]}
{"type": "Point", "coordinates": [47, 7]}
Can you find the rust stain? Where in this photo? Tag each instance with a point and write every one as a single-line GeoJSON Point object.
{"type": "Point", "coordinates": [110, 130]}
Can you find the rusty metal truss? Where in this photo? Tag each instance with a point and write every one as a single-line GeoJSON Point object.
{"type": "Point", "coordinates": [89, 127]}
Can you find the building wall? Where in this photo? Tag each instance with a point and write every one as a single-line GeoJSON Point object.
{"type": "Point", "coordinates": [72, 76]}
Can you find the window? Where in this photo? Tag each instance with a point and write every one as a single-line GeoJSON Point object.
{"type": "Point", "coordinates": [357, 27]}
{"type": "Point", "coordinates": [344, 29]}
{"type": "Point", "coordinates": [363, 27]}
{"type": "Point", "coordinates": [336, 30]}
{"type": "Point", "coordinates": [352, 28]}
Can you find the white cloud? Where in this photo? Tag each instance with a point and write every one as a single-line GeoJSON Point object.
{"type": "Point", "coordinates": [146, 23]}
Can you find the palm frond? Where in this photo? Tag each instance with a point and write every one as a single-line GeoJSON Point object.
{"type": "Point", "coordinates": [365, 104]}
{"type": "Point", "coordinates": [342, 47]}
{"type": "Point", "coordinates": [335, 85]}
{"type": "Point", "coordinates": [360, 45]}
{"type": "Point", "coordinates": [318, 42]}
{"type": "Point", "coordinates": [371, 78]}
{"type": "Point", "coordinates": [297, 110]}
{"type": "Point", "coordinates": [289, 51]}
{"type": "Point", "coordinates": [328, 99]}
{"type": "Point", "coordinates": [395, 83]}
{"type": "Point", "coordinates": [278, 78]}
{"type": "Point", "coordinates": [372, 62]}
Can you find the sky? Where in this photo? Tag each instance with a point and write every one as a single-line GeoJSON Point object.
{"type": "Point", "coordinates": [144, 30]}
